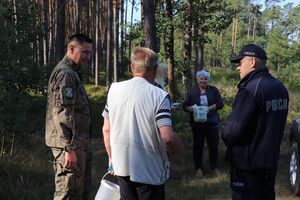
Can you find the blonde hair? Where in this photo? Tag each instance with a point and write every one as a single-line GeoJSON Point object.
{"type": "Point", "coordinates": [143, 59]}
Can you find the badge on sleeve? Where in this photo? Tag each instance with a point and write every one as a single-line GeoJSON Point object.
{"type": "Point", "coordinates": [68, 92]}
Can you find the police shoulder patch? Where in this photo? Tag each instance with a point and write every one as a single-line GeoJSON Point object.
{"type": "Point", "coordinates": [68, 92]}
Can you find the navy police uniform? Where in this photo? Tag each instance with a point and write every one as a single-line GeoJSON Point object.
{"type": "Point", "coordinates": [253, 133]}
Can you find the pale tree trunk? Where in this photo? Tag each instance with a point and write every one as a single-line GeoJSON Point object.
{"type": "Point", "coordinates": [60, 31]}
{"type": "Point", "coordinates": [234, 30]}
{"type": "Point", "coordinates": [254, 23]}
{"type": "Point", "coordinates": [109, 43]}
{"type": "Point", "coordinates": [52, 14]}
{"type": "Point", "coordinates": [116, 39]}
{"type": "Point", "coordinates": [149, 25]}
{"type": "Point", "coordinates": [45, 32]}
{"type": "Point", "coordinates": [170, 49]}
{"type": "Point", "coordinates": [125, 31]}
{"type": "Point", "coordinates": [122, 24]}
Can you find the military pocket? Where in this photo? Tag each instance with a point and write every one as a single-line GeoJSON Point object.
{"type": "Point", "coordinates": [64, 178]}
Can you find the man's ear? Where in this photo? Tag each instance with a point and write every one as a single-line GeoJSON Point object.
{"type": "Point", "coordinates": [71, 48]}
{"type": "Point", "coordinates": [254, 62]}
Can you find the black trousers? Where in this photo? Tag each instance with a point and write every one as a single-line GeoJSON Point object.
{"type": "Point", "coordinates": [211, 135]}
{"type": "Point", "coordinates": [139, 191]}
{"type": "Point", "coordinates": [252, 185]}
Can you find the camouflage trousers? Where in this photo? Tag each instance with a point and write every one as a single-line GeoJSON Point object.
{"type": "Point", "coordinates": [72, 184]}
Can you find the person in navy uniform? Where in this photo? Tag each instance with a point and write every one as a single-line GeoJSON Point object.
{"type": "Point", "coordinates": [255, 126]}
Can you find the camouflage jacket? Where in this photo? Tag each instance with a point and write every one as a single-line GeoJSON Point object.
{"type": "Point", "coordinates": [68, 115]}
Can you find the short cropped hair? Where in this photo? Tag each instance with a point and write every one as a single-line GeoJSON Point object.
{"type": "Point", "coordinates": [80, 38]}
{"type": "Point", "coordinates": [143, 59]}
{"type": "Point", "coordinates": [260, 62]}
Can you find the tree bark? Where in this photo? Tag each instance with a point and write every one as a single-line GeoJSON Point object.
{"type": "Point", "coordinates": [131, 23]}
{"type": "Point", "coordinates": [60, 31]}
{"type": "Point", "coordinates": [109, 43]}
{"type": "Point", "coordinates": [149, 25]}
{"type": "Point", "coordinates": [170, 49]}
{"type": "Point", "coordinates": [116, 39]}
{"type": "Point", "coordinates": [187, 46]}
{"type": "Point", "coordinates": [97, 46]}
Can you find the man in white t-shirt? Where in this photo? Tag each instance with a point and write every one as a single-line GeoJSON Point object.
{"type": "Point", "coordinates": [138, 132]}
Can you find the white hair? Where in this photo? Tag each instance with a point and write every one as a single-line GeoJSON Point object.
{"type": "Point", "coordinates": [162, 75]}
{"type": "Point", "coordinates": [203, 73]}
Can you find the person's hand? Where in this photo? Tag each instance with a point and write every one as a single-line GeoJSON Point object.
{"type": "Point", "coordinates": [70, 160]}
{"type": "Point", "coordinates": [110, 168]}
{"type": "Point", "coordinates": [190, 108]}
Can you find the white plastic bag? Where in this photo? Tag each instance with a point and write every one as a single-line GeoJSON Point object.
{"type": "Point", "coordinates": [200, 113]}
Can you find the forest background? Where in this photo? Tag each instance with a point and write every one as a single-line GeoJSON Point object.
{"type": "Point", "coordinates": [188, 35]}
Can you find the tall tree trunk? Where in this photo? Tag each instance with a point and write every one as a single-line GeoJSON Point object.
{"type": "Point", "coordinates": [103, 31]}
{"type": "Point", "coordinates": [234, 29]}
{"type": "Point", "coordinates": [125, 31]}
{"type": "Point", "coordinates": [78, 16]}
{"type": "Point", "coordinates": [52, 13]}
{"type": "Point", "coordinates": [122, 37]}
{"type": "Point", "coordinates": [60, 31]}
{"type": "Point", "coordinates": [97, 46]}
{"type": "Point", "coordinates": [45, 32]}
{"type": "Point", "coordinates": [187, 46]}
{"type": "Point", "coordinates": [170, 49]}
{"type": "Point", "coordinates": [149, 25]}
{"type": "Point", "coordinates": [116, 39]}
{"type": "Point", "coordinates": [131, 24]}
{"type": "Point", "coordinates": [88, 30]}
{"type": "Point", "coordinates": [198, 64]}
{"type": "Point", "coordinates": [109, 43]}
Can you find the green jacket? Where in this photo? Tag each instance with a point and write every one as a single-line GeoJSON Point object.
{"type": "Point", "coordinates": [68, 115]}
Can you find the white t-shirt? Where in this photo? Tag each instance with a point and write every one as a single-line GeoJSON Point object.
{"type": "Point", "coordinates": [136, 109]}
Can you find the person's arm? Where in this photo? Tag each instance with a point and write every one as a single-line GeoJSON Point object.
{"type": "Point", "coordinates": [171, 140]}
{"type": "Point", "coordinates": [66, 93]}
{"type": "Point", "coordinates": [106, 138]}
{"type": "Point", "coordinates": [241, 120]}
{"type": "Point", "coordinates": [219, 104]}
{"type": "Point", "coordinates": [164, 123]}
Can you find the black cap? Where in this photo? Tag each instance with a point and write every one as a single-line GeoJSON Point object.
{"type": "Point", "coordinates": [250, 50]}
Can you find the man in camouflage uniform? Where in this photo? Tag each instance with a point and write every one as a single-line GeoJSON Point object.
{"type": "Point", "coordinates": [68, 122]}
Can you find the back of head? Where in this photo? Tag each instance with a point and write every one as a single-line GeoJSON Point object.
{"type": "Point", "coordinates": [79, 38]}
{"type": "Point", "coordinates": [143, 59]}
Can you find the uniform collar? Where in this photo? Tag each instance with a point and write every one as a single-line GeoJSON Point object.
{"type": "Point", "coordinates": [71, 63]}
{"type": "Point", "coordinates": [257, 73]}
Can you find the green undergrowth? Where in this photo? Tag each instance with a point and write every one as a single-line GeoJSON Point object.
{"type": "Point", "coordinates": [26, 173]}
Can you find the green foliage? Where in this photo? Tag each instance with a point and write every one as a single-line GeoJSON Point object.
{"type": "Point", "coordinates": [290, 76]}
{"type": "Point", "coordinates": [19, 34]}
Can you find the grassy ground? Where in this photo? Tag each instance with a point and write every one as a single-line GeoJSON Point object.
{"type": "Point", "coordinates": [27, 173]}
